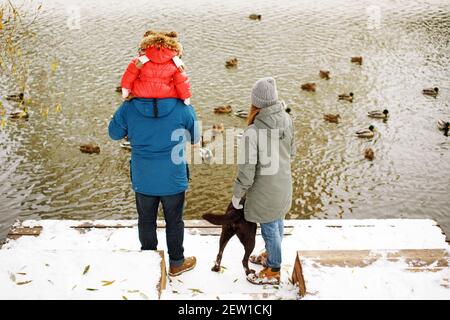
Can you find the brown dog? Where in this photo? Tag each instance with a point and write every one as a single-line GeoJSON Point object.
{"type": "Point", "coordinates": [233, 223]}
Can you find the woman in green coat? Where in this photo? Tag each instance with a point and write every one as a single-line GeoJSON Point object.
{"type": "Point", "coordinates": [264, 174]}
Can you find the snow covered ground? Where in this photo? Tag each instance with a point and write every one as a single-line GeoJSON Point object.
{"type": "Point", "coordinates": [55, 263]}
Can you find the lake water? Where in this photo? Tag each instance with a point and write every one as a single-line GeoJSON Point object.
{"type": "Point", "coordinates": [405, 45]}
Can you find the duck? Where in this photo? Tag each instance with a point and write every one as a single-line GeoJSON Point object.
{"type": "Point", "coordinates": [255, 17]}
{"type": "Point", "coordinates": [369, 154]}
{"type": "Point", "coordinates": [433, 92]}
{"type": "Point", "coordinates": [323, 74]}
{"type": "Point", "coordinates": [310, 87]}
{"type": "Point", "coordinates": [333, 118]}
{"type": "Point", "coordinates": [223, 109]}
{"type": "Point", "coordinates": [241, 113]}
{"type": "Point", "coordinates": [444, 126]}
{"type": "Point", "coordinates": [205, 153]}
{"type": "Point", "coordinates": [89, 148]}
{"type": "Point", "coordinates": [378, 114]}
{"type": "Point", "coordinates": [231, 63]}
{"type": "Point", "coordinates": [366, 133]}
{"type": "Point", "coordinates": [19, 114]}
{"type": "Point", "coordinates": [357, 60]}
{"type": "Point", "coordinates": [346, 97]}
{"type": "Point", "coordinates": [15, 97]}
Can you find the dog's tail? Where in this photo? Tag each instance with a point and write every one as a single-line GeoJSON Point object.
{"type": "Point", "coordinates": [220, 219]}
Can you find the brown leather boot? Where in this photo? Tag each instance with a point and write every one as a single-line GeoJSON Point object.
{"type": "Point", "coordinates": [188, 264]}
{"type": "Point", "coordinates": [265, 276]}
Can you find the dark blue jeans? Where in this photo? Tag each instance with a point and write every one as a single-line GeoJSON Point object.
{"type": "Point", "coordinates": [147, 208]}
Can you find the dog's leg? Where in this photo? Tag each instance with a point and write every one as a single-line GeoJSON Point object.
{"type": "Point", "coordinates": [248, 240]}
{"type": "Point", "coordinates": [227, 233]}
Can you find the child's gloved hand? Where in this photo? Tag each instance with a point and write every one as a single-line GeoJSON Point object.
{"type": "Point", "coordinates": [125, 93]}
{"type": "Point", "coordinates": [187, 101]}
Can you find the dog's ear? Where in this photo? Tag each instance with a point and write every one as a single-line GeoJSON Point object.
{"type": "Point", "coordinates": [171, 34]}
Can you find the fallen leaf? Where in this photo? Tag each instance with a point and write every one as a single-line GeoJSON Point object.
{"type": "Point", "coordinates": [47, 265]}
{"type": "Point", "coordinates": [50, 282]}
{"type": "Point", "coordinates": [54, 65]}
{"type": "Point", "coordinates": [22, 273]}
{"type": "Point", "coordinates": [74, 287]}
{"type": "Point", "coordinates": [235, 280]}
{"type": "Point", "coordinates": [124, 298]}
{"type": "Point", "coordinates": [86, 269]}
{"type": "Point", "coordinates": [91, 289]}
{"type": "Point", "coordinates": [23, 282]}
{"type": "Point", "coordinates": [107, 283]}
{"type": "Point", "coordinates": [175, 291]}
{"type": "Point", "coordinates": [133, 291]}
{"type": "Point", "coordinates": [143, 295]}
{"type": "Point", "coordinates": [196, 290]}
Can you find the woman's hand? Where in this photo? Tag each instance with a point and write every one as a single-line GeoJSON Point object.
{"type": "Point", "coordinates": [236, 203]}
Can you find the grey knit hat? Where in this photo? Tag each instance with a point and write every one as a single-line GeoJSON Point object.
{"type": "Point", "coordinates": [264, 93]}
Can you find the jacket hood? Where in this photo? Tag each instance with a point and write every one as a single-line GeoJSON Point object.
{"type": "Point", "coordinates": [161, 47]}
{"type": "Point", "coordinates": [147, 106]}
{"type": "Point", "coordinates": [273, 117]}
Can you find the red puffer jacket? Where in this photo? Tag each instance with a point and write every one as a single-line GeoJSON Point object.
{"type": "Point", "coordinates": [158, 78]}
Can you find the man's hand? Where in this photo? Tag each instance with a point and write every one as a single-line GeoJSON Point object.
{"type": "Point", "coordinates": [236, 203]}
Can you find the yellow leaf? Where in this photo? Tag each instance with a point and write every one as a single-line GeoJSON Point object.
{"type": "Point", "coordinates": [196, 290]}
{"type": "Point", "coordinates": [3, 122]}
{"type": "Point", "coordinates": [107, 283]}
{"type": "Point", "coordinates": [44, 113]}
{"type": "Point", "coordinates": [1, 25]}
{"type": "Point", "coordinates": [54, 66]}
{"type": "Point", "coordinates": [58, 108]}
{"type": "Point", "coordinates": [124, 298]}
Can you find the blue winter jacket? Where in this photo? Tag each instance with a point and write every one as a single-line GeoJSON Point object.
{"type": "Point", "coordinates": [157, 130]}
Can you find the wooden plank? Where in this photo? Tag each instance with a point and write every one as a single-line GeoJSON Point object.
{"type": "Point", "coordinates": [193, 226]}
{"type": "Point", "coordinates": [417, 260]}
{"type": "Point", "coordinates": [19, 231]}
{"type": "Point", "coordinates": [163, 280]}
{"type": "Point", "coordinates": [217, 231]}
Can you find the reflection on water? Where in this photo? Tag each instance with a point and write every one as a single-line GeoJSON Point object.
{"type": "Point", "coordinates": [44, 175]}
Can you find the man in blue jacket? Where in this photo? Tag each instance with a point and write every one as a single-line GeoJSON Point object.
{"type": "Point", "coordinates": [158, 130]}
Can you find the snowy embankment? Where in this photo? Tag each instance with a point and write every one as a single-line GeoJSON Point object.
{"type": "Point", "coordinates": [53, 265]}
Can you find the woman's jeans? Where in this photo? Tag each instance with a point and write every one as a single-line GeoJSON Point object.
{"type": "Point", "coordinates": [147, 208]}
{"type": "Point", "coordinates": [272, 234]}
